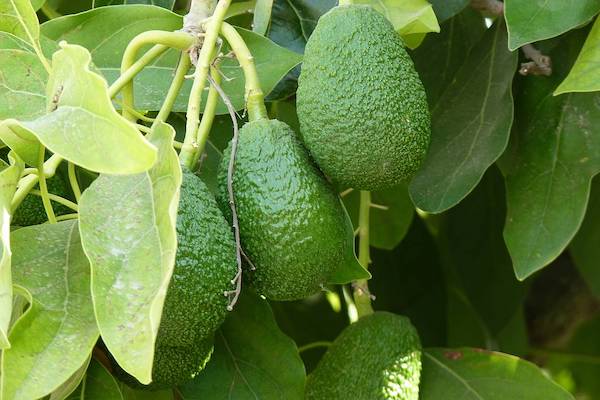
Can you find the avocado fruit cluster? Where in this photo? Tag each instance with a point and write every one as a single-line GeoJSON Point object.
{"type": "Point", "coordinates": [293, 227]}
{"type": "Point", "coordinates": [376, 358]}
{"type": "Point", "coordinates": [195, 305]}
{"type": "Point", "coordinates": [362, 108]}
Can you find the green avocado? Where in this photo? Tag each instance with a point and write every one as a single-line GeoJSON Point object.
{"type": "Point", "coordinates": [376, 358]}
{"type": "Point", "coordinates": [362, 108]}
{"type": "Point", "coordinates": [31, 210]}
{"type": "Point", "coordinates": [293, 227]}
{"type": "Point", "coordinates": [196, 304]}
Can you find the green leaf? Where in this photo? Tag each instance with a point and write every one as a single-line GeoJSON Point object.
{"type": "Point", "coordinates": [584, 247]}
{"type": "Point", "coordinates": [412, 19]}
{"type": "Point", "coordinates": [530, 21]}
{"type": "Point", "coordinates": [253, 359]}
{"type": "Point", "coordinates": [123, 23]}
{"type": "Point", "coordinates": [69, 387]}
{"type": "Point", "coordinates": [81, 123]}
{"type": "Point", "coordinates": [471, 124]}
{"type": "Point", "coordinates": [262, 16]}
{"type": "Point", "coordinates": [473, 374]}
{"type": "Point", "coordinates": [585, 75]}
{"type": "Point", "coordinates": [22, 85]}
{"type": "Point", "coordinates": [390, 217]}
{"type": "Point", "coordinates": [446, 9]}
{"type": "Point", "coordinates": [100, 384]}
{"type": "Point", "coordinates": [9, 178]}
{"type": "Point", "coordinates": [552, 157]}
{"type": "Point", "coordinates": [18, 18]}
{"type": "Point", "coordinates": [474, 251]}
{"type": "Point", "coordinates": [168, 4]}
{"type": "Point", "coordinates": [133, 394]}
{"type": "Point", "coordinates": [54, 337]}
{"type": "Point", "coordinates": [128, 233]}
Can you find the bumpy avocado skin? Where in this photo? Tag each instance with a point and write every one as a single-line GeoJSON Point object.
{"type": "Point", "coordinates": [376, 358]}
{"type": "Point", "coordinates": [292, 224]}
{"type": "Point", "coordinates": [31, 210]}
{"type": "Point", "coordinates": [195, 305]}
{"type": "Point", "coordinates": [362, 107]}
{"type": "Point", "coordinates": [205, 264]}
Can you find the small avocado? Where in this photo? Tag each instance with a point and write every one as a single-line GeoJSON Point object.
{"type": "Point", "coordinates": [376, 358]}
{"type": "Point", "coordinates": [293, 227]}
{"type": "Point", "coordinates": [362, 108]}
{"type": "Point", "coordinates": [196, 304]}
{"type": "Point", "coordinates": [31, 210]}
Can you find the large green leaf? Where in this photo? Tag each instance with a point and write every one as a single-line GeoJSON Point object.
{"type": "Point", "coordinates": [553, 155]}
{"type": "Point", "coordinates": [168, 4]}
{"type": "Point", "coordinates": [128, 233]}
{"type": "Point", "coordinates": [585, 74]}
{"type": "Point", "coordinates": [18, 17]}
{"type": "Point", "coordinates": [22, 85]}
{"type": "Point", "coordinates": [585, 247]}
{"type": "Point", "coordinates": [473, 374]}
{"type": "Point", "coordinates": [81, 124]}
{"type": "Point", "coordinates": [70, 385]}
{"type": "Point", "coordinates": [412, 19]}
{"type": "Point", "coordinates": [54, 337]}
{"type": "Point", "coordinates": [37, 4]}
{"type": "Point", "coordinates": [390, 217]}
{"type": "Point", "coordinates": [100, 384]}
{"type": "Point", "coordinates": [122, 23]}
{"type": "Point", "coordinates": [529, 21]}
{"type": "Point", "coordinates": [262, 16]}
{"type": "Point", "coordinates": [471, 124]}
{"type": "Point", "coordinates": [9, 177]}
{"type": "Point", "coordinates": [252, 359]}
{"type": "Point", "coordinates": [446, 9]}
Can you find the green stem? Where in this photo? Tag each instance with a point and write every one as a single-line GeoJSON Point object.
{"type": "Point", "coordinates": [314, 345]}
{"type": "Point", "coordinates": [178, 80]}
{"type": "Point", "coordinates": [50, 12]}
{"type": "Point", "coordinates": [73, 181]}
{"type": "Point", "coordinates": [255, 99]}
{"type": "Point", "coordinates": [44, 188]}
{"type": "Point", "coordinates": [162, 40]}
{"type": "Point", "coordinates": [133, 70]}
{"type": "Point", "coordinates": [28, 182]}
{"type": "Point", "coordinates": [66, 217]}
{"type": "Point", "coordinates": [208, 115]}
{"type": "Point", "coordinates": [58, 199]}
{"type": "Point", "coordinates": [188, 151]}
{"type": "Point", "coordinates": [362, 296]}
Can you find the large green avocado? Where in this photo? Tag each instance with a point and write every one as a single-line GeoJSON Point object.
{"type": "Point", "coordinates": [293, 226]}
{"type": "Point", "coordinates": [195, 305]}
{"type": "Point", "coordinates": [376, 358]}
{"type": "Point", "coordinates": [362, 107]}
{"type": "Point", "coordinates": [31, 210]}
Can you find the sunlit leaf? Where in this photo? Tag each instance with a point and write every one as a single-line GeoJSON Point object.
{"type": "Point", "coordinates": [55, 336]}
{"type": "Point", "coordinates": [18, 17]}
{"type": "Point", "coordinates": [128, 233]}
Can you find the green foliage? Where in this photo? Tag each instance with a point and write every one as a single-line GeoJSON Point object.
{"type": "Point", "coordinates": [379, 357]}
{"type": "Point", "coordinates": [480, 374]}
{"type": "Point", "coordinates": [293, 227]}
{"type": "Point", "coordinates": [361, 105]}
{"type": "Point", "coordinates": [487, 242]}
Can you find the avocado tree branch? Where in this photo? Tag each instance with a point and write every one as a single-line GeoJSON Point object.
{"type": "Point", "coordinates": [540, 64]}
{"type": "Point", "coordinates": [237, 280]}
{"type": "Point", "coordinates": [28, 182]}
{"type": "Point", "coordinates": [44, 188]}
{"type": "Point", "coordinates": [210, 108]}
{"type": "Point", "coordinates": [182, 68]}
{"type": "Point", "coordinates": [362, 296]}
{"type": "Point", "coordinates": [213, 26]}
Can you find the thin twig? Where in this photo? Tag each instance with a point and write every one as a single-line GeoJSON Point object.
{"type": "Point", "coordinates": [237, 280]}
{"type": "Point", "coordinates": [540, 64]}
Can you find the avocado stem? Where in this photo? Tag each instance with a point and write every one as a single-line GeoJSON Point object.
{"type": "Point", "coordinates": [210, 108]}
{"type": "Point", "coordinates": [162, 41]}
{"type": "Point", "coordinates": [182, 69]}
{"type": "Point", "coordinates": [255, 99]}
{"type": "Point", "coordinates": [44, 188]}
{"type": "Point", "coordinates": [213, 26]}
{"type": "Point", "coordinates": [28, 182]}
{"type": "Point", "coordinates": [362, 296]}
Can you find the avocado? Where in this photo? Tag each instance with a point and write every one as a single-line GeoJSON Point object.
{"type": "Point", "coordinates": [195, 305]}
{"type": "Point", "coordinates": [31, 210]}
{"type": "Point", "coordinates": [362, 108]}
{"type": "Point", "coordinates": [376, 358]}
{"type": "Point", "coordinates": [293, 227]}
